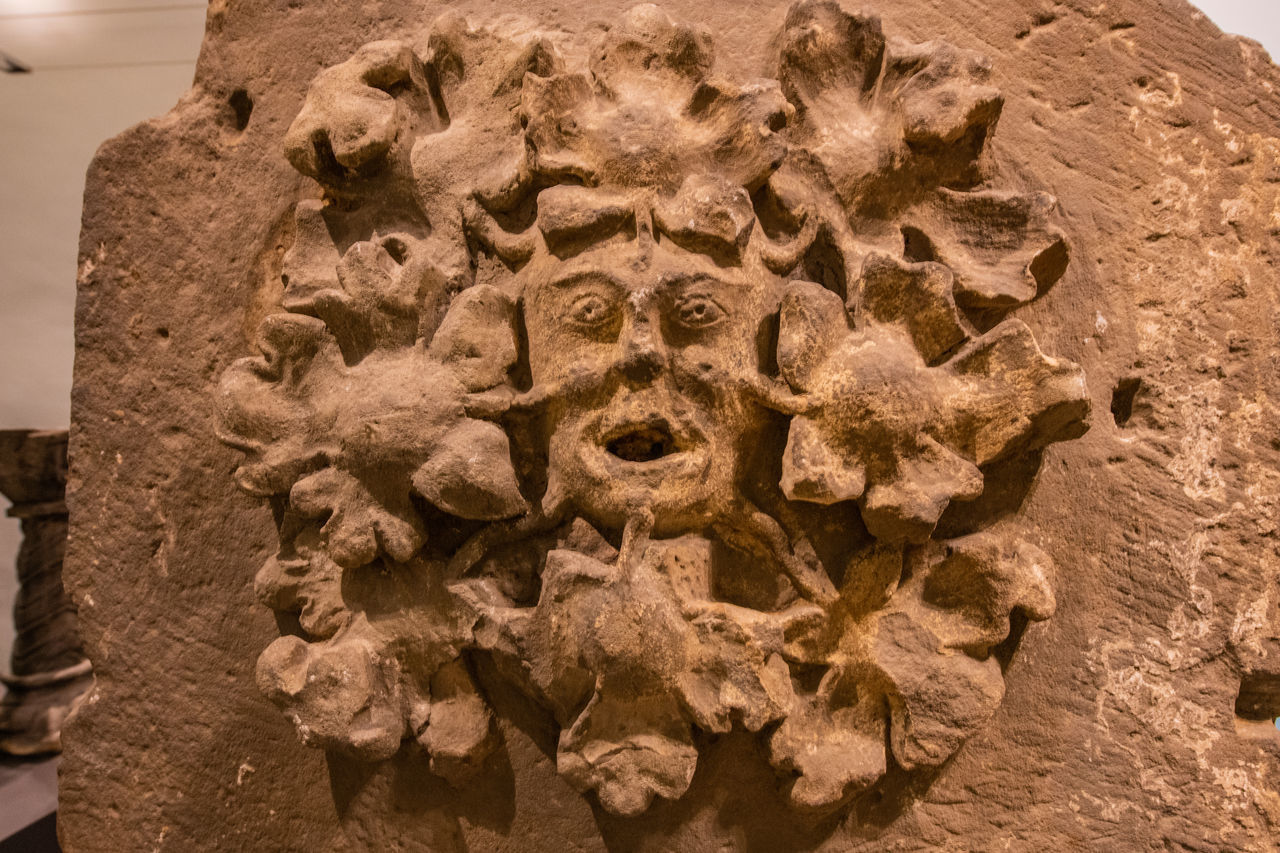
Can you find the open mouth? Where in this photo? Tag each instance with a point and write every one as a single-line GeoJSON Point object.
{"type": "Point", "coordinates": [642, 443]}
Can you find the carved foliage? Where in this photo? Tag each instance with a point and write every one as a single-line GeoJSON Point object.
{"type": "Point", "coordinates": [525, 384]}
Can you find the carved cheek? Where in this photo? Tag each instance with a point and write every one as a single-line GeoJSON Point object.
{"type": "Point", "coordinates": [568, 336]}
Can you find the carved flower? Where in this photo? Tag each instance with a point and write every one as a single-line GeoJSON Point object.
{"type": "Point", "coordinates": [897, 130]}
{"type": "Point", "coordinates": [353, 444]}
{"type": "Point", "coordinates": [904, 408]}
{"type": "Point", "coordinates": [631, 656]}
{"type": "Point", "coordinates": [648, 113]}
{"type": "Point", "coordinates": [918, 663]}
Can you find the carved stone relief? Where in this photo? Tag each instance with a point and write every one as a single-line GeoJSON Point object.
{"type": "Point", "coordinates": [703, 407]}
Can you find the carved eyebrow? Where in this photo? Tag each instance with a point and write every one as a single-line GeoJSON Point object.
{"type": "Point", "coordinates": [671, 281]}
{"type": "Point", "coordinates": [586, 276]}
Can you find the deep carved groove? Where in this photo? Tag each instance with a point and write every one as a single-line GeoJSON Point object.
{"type": "Point", "coordinates": [1122, 399]}
{"type": "Point", "coordinates": [1259, 697]}
{"type": "Point", "coordinates": [241, 108]}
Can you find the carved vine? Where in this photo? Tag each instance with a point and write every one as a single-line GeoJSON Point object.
{"type": "Point", "coordinates": [676, 395]}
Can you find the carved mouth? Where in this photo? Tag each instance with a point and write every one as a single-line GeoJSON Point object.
{"type": "Point", "coordinates": [642, 443]}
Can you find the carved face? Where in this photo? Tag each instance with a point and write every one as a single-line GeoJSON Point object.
{"type": "Point", "coordinates": [642, 342]}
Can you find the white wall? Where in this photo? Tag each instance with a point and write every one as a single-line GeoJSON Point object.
{"type": "Point", "coordinates": [95, 75]}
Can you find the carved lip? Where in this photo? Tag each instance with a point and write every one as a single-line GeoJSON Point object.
{"type": "Point", "coordinates": [650, 443]}
{"type": "Point", "coordinates": [641, 442]}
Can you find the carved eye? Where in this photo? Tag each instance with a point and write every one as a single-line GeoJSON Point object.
{"type": "Point", "coordinates": [591, 311]}
{"type": "Point", "coordinates": [698, 311]}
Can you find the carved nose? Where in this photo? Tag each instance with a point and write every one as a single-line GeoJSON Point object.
{"type": "Point", "coordinates": [642, 356]}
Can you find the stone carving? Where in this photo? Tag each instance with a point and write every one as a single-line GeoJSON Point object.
{"type": "Point", "coordinates": [679, 397]}
{"type": "Point", "coordinates": [50, 674]}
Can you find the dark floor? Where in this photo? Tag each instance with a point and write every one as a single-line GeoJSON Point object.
{"type": "Point", "coordinates": [28, 800]}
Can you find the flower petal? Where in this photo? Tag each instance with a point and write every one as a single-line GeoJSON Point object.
{"type": "Point", "coordinates": [647, 42]}
{"type": "Point", "coordinates": [978, 580]}
{"type": "Point", "coordinates": [477, 338]}
{"type": "Point", "coordinates": [343, 695]}
{"type": "Point", "coordinates": [944, 97]}
{"type": "Point", "coordinates": [469, 474]}
{"type": "Point", "coordinates": [1000, 245]}
{"type": "Point", "coordinates": [811, 324]}
{"type": "Point", "coordinates": [914, 297]}
{"type": "Point", "coordinates": [305, 582]}
{"type": "Point", "coordinates": [824, 48]}
{"type": "Point", "coordinates": [359, 524]}
{"type": "Point", "coordinates": [349, 121]}
{"type": "Point", "coordinates": [629, 752]}
{"type": "Point", "coordinates": [937, 698]}
{"type": "Point", "coordinates": [834, 742]}
{"type": "Point", "coordinates": [905, 505]}
{"type": "Point", "coordinates": [459, 731]}
{"type": "Point", "coordinates": [1019, 398]}
{"type": "Point", "coordinates": [708, 215]}
{"type": "Point", "coordinates": [813, 471]}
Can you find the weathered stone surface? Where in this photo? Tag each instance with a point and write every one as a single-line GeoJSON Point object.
{"type": "Point", "coordinates": [671, 428]}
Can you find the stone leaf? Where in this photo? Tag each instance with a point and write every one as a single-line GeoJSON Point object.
{"type": "Point", "coordinates": [351, 443]}
{"type": "Point", "coordinates": [307, 582]}
{"type": "Point", "coordinates": [461, 476]}
{"type": "Point", "coordinates": [457, 727]}
{"type": "Point", "coordinates": [376, 302]}
{"type": "Point", "coordinates": [645, 46]}
{"type": "Point", "coordinates": [978, 581]}
{"type": "Point", "coordinates": [883, 426]}
{"type": "Point", "coordinates": [310, 264]}
{"type": "Point", "coordinates": [481, 71]}
{"type": "Point", "coordinates": [1000, 245]}
{"type": "Point", "coordinates": [734, 675]}
{"type": "Point", "coordinates": [606, 128]}
{"type": "Point", "coordinates": [1015, 399]}
{"type": "Point", "coordinates": [918, 652]}
{"type": "Point", "coordinates": [381, 293]}
{"type": "Point", "coordinates": [477, 338]}
{"type": "Point", "coordinates": [571, 217]}
{"type": "Point", "coordinates": [630, 663]}
{"type": "Point", "coordinates": [931, 648]}
{"type": "Point", "coordinates": [812, 324]}
{"type": "Point", "coordinates": [342, 695]}
{"type": "Point", "coordinates": [350, 121]}
{"type": "Point", "coordinates": [917, 298]}
{"type": "Point", "coordinates": [833, 743]}
{"type": "Point", "coordinates": [629, 751]}
{"type": "Point", "coordinates": [268, 409]}
{"type": "Point", "coordinates": [869, 109]}
{"type": "Point", "coordinates": [943, 94]}
{"type": "Point", "coordinates": [357, 524]}
{"type": "Point", "coordinates": [937, 697]}
{"type": "Point", "coordinates": [708, 215]}
{"type": "Point", "coordinates": [825, 48]}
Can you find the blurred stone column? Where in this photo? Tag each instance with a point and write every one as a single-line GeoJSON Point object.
{"type": "Point", "coordinates": [50, 673]}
